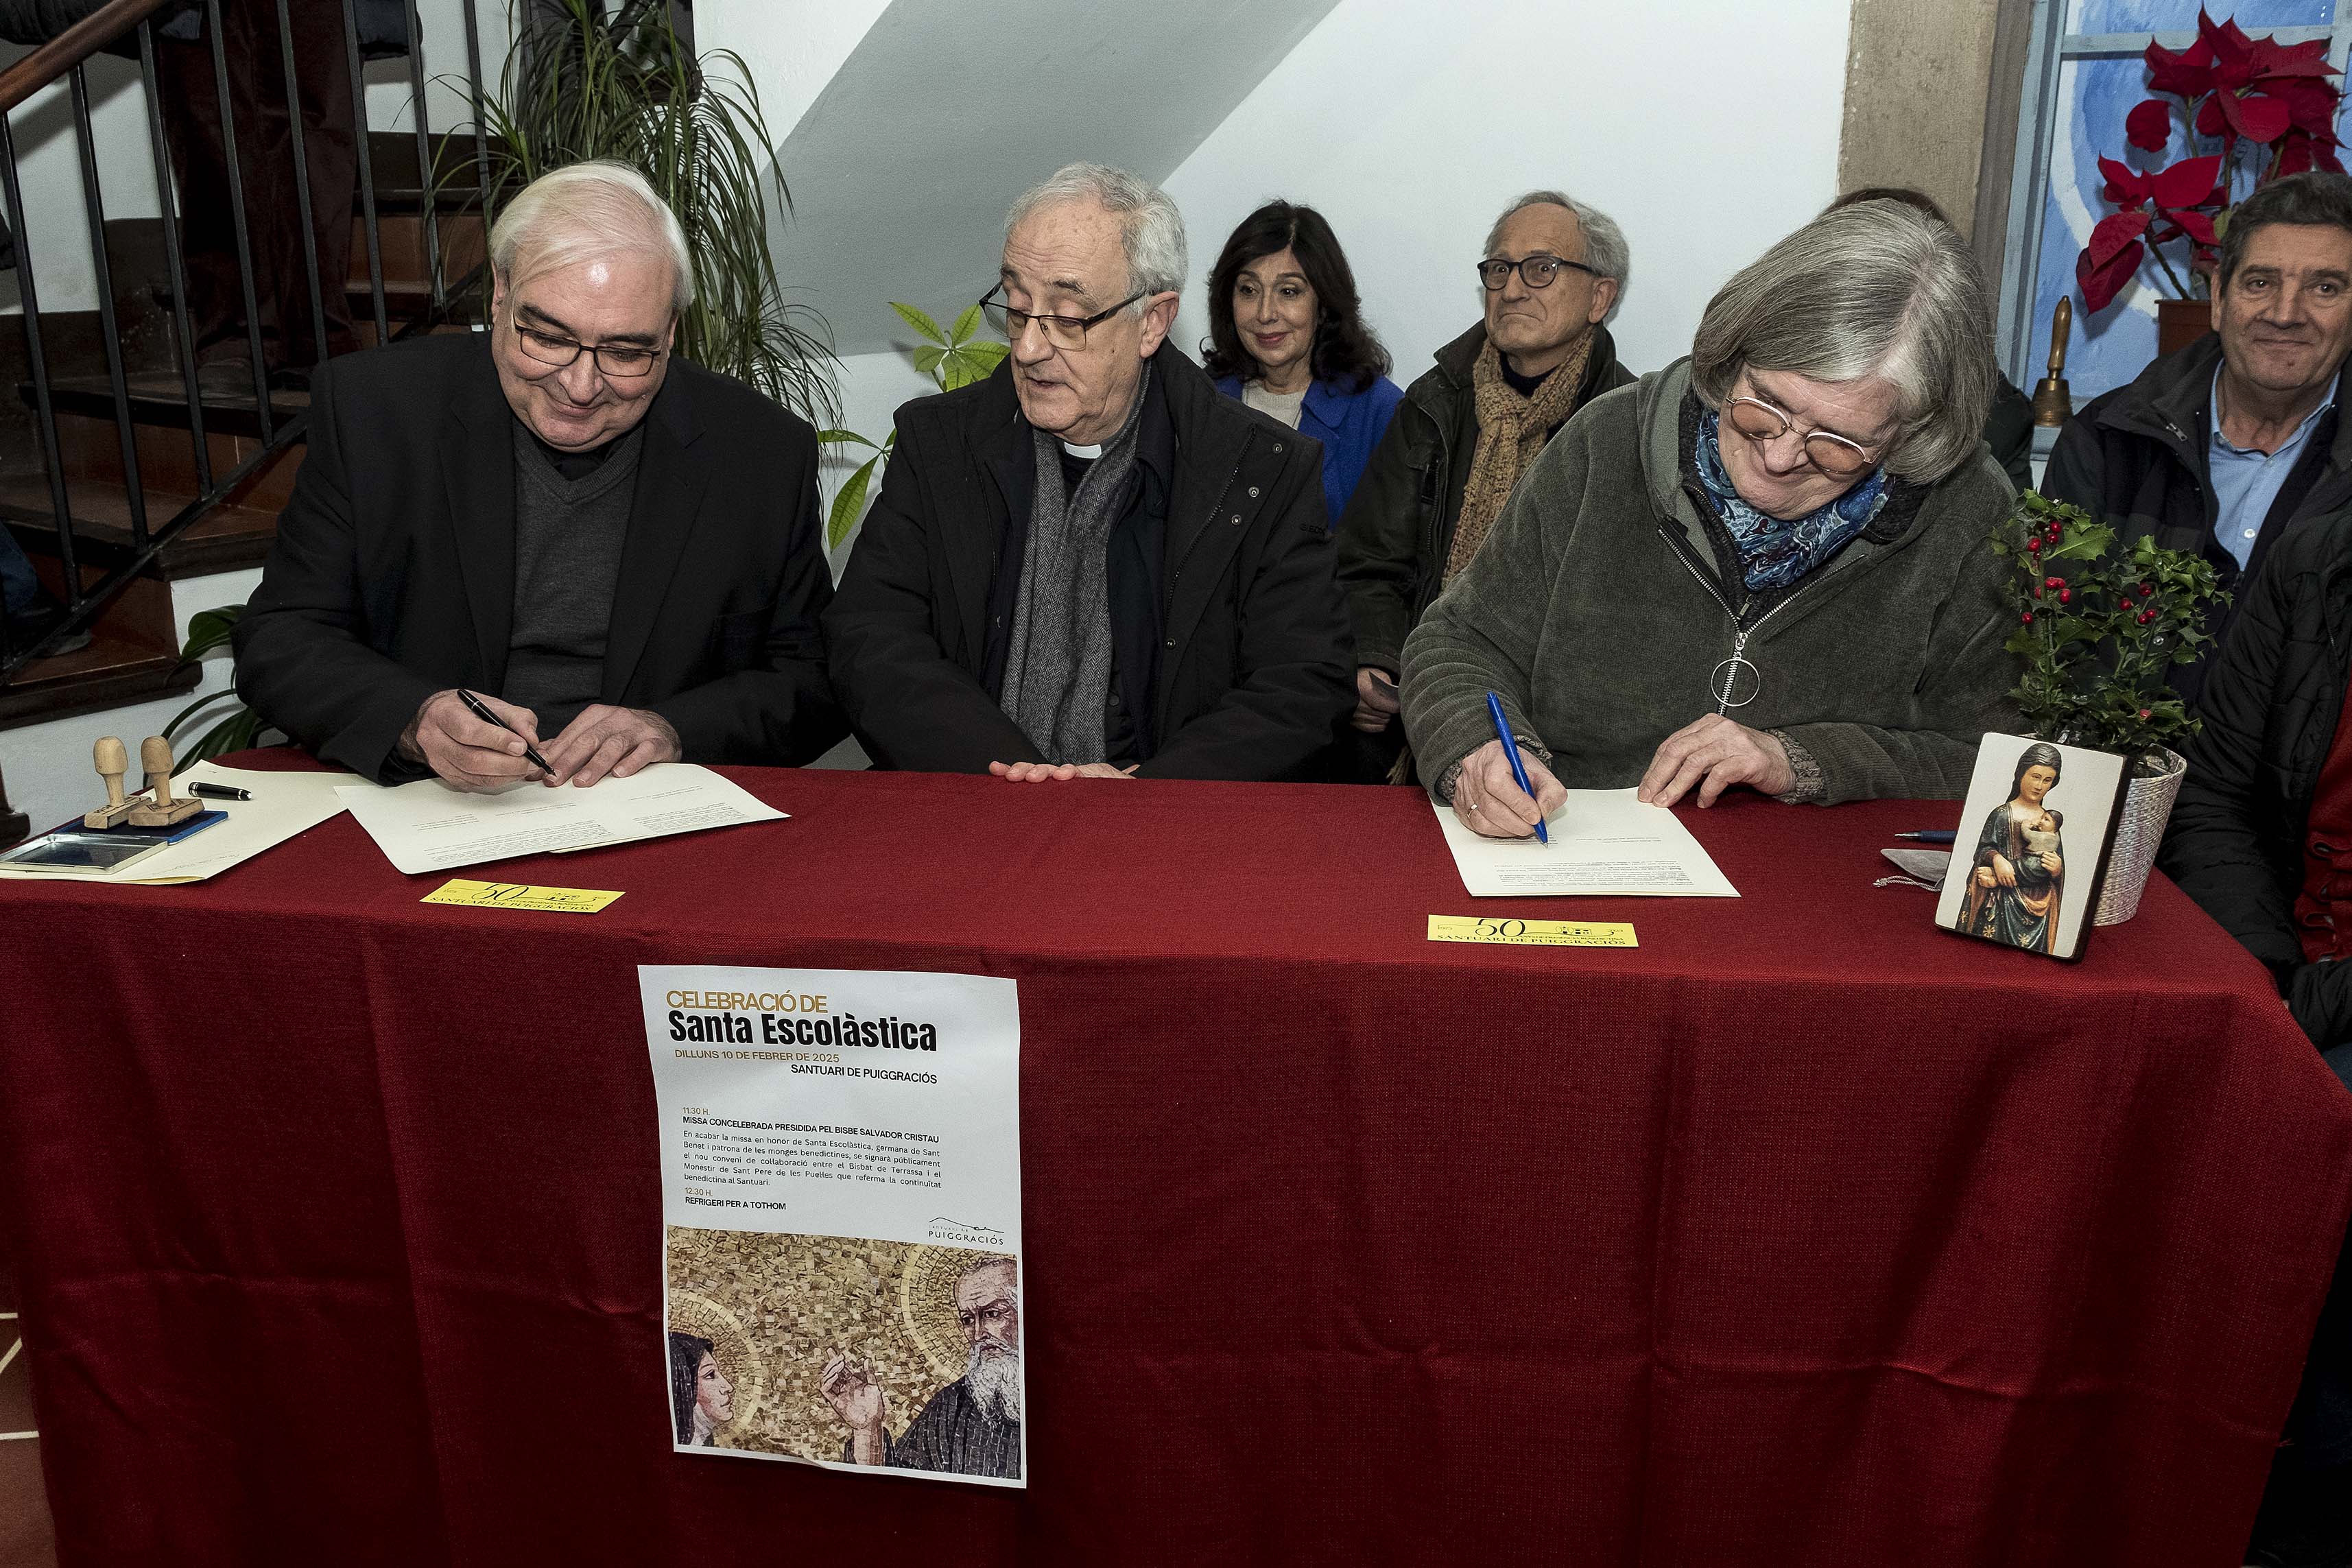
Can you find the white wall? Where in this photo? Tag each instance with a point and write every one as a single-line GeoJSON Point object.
{"type": "Point", "coordinates": [1706, 128]}
{"type": "Point", "coordinates": [792, 47]}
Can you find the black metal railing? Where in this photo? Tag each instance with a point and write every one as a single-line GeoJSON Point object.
{"type": "Point", "coordinates": [65, 58]}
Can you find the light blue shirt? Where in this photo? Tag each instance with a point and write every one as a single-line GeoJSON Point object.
{"type": "Point", "coordinates": [2246, 481]}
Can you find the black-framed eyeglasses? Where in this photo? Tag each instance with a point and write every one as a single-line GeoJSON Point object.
{"type": "Point", "coordinates": [1062, 332]}
{"type": "Point", "coordinates": [622, 361]}
{"type": "Point", "coordinates": [1537, 271]}
{"type": "Point", "coordinates": [1839, 456]}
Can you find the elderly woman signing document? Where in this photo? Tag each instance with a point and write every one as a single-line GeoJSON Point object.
{"type": "Point", "coordinates": [1765, 566]}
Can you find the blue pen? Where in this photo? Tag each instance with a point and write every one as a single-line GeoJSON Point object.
{"type": "Point", "coordinates": [1934, 836]}
{"type": "Point", "coordinates": [1511, 750]}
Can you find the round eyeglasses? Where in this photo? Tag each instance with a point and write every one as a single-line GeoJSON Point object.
{"type": "Point", "coordinates": [1536, 271]}
{"type": "Point", "coordinates": [1834, 455]}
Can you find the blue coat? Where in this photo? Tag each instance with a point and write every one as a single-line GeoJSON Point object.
{"type": "Point", "coordinates": [1348, 423]}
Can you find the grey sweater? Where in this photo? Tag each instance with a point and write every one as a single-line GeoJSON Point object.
{"type": "Point", "coordinates": [1597, 611]}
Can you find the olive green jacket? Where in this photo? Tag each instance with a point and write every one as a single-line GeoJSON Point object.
{"type": "Point", "coordinates": [1603, 606]}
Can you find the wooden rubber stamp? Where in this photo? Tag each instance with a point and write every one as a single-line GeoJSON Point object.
{"type": "Point", "coordinates": [112, 761]}
{"type": "Point", "coordinates": [161, 810]}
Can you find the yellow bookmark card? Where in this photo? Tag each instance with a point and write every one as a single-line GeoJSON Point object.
{"type": "Point", "coordinates": [1532, 934]}
{"type": "Point", "coordinates": [515, 896]}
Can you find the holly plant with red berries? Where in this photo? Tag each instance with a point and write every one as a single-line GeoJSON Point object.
{"type": "Point", "coordinates": [2100, 626]}
{"type": "Point", "coordinates": [2246, 94]}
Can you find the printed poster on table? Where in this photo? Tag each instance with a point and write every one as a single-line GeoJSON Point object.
{"type": "Point", "coordinates": [841, 1205]}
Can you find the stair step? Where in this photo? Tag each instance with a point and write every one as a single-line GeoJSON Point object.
{"type": "Point", "coordinates": [160, 398]}
{"type": "Point", "coordinates": [133, 656]}
{"type": "Point", "coordinates": [113, 671]}
{"type": "Point", "coordinates": [228, 539]}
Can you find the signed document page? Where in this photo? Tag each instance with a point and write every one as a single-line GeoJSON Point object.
{"type": "Point", "coordinates": [428, 827]}
{"type": "Point", "coordinates": [1602, 841]}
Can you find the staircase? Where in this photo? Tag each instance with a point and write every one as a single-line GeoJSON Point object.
{"type": "Point", "coordinates": [132, 656]}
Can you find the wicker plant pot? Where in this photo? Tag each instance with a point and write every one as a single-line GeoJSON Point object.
{"type": "Point", "coordinates": [2148, 805]}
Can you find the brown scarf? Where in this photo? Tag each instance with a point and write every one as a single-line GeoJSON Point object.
{"type": "Point", "coordinates": [1511, 430]}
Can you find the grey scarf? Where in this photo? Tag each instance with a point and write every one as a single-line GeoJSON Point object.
{"type": "Point", "coordinates": [1057, 668]}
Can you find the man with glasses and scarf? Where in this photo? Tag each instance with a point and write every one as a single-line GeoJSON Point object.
{"type": "Point", "coordinates": [615, 554]}
{"type": "Point", "coordinates": [1552, 275]}
{"type": "Point", "coordinates": [1091, 565]}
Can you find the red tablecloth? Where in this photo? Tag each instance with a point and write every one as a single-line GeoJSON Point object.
{"type": "Point", "coordinates": [1802, 1233]}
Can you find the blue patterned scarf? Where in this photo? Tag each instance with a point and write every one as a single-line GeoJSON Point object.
{"type": "Point", "coordinates": [1774, 552]}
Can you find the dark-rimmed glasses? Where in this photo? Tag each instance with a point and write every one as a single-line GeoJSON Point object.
{"type": "Point", "coordinates": [622, 361]}
{"type": "Point", "coordinates": [1062, 332]}
{"type": "Point", "coordinates": [1837, 456]}
{"type": "Point", "coordinates": [1536, 271]}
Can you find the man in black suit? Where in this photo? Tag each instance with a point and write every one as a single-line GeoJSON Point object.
{"type": "Point", "coordinates": [612, 551]}
{"type": "Point", "coordinates": [1092, 565]}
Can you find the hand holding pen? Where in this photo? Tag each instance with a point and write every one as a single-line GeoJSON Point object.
{"type": "Point", "coordinates": [1501, 793]}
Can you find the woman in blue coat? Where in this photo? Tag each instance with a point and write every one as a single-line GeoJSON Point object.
{"type": "Point", "coordinates": [1286, 336]}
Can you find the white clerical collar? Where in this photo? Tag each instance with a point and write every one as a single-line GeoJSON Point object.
{"type": "Point", "coordinates": [1089, 453]}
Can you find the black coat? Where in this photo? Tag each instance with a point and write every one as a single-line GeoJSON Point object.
{"type": "Point", "coordinates": [1252, 678]}
{"type": "Point", "coordinates": [393, 573]}
{"type": "Point", "coordinates": [1398, 528]}
{"type": "Point", "coordinates": [2271, 704]}
{"type": "Point", "coordinates": [2136, 456]}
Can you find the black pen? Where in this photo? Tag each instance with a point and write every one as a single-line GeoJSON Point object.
{"type": "Point", "coordinates": [481, 710]}
{"type": "Point", "coordinates": [219, 792]}
{"type": "Point", "coordinates": [1933, 836]}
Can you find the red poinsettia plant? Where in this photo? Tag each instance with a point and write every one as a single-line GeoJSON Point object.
{"type": "Point", "coordinates": [2271, 106]}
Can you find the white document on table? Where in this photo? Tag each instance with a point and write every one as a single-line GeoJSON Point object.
{"type": "Point", "coordinates": [283, 805]}
{"type": "Point", "coordinates": [428, 827]}
{"type": "Point", "coordinates": [1602, 841]}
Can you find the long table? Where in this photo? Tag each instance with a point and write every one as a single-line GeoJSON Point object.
{"type": "Point", "coordinates": [1801, 1233]}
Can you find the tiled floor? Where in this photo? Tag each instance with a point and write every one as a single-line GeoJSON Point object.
{"type": "Point", "coordinates": [24, 1538]}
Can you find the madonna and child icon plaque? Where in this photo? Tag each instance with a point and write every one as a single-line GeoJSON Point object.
{"type": "Point", "coordinates": [2032, 848]}
{"type": "Point", "coordinates": [841, 1203]}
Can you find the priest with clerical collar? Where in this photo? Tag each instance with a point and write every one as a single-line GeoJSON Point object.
{"type": "Point", "coordinates": [1091, 566]}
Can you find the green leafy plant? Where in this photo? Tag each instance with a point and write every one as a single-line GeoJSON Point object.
{"type": "Point", "coordinates": [235, 727]}
{"type": "Point", "coordinates": [2100, 626]}
{"type": "Point", "coordinates": [624, 85]}
{"type": "Point", "coordinates": [955, 357]}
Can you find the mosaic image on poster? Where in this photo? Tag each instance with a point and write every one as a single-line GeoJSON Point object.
{"type": "Point", "coordinates": [868, 1353]}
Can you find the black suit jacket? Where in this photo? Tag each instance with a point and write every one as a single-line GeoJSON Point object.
{"type": "Point", "coordinates": [393, 573]}
{"type": "Point", "coordinates": [1254, 672]}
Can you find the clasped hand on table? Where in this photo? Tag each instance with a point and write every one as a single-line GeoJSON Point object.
{"type": "Point", "coordinates": [469, 754]}
{"type": "Point", "coordinates": [1710, 755]}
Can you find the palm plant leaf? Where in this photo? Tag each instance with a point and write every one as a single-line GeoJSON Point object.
{"type": "Point", "coordinates": [623, 85]}
{"type": "Point", "coordinates": [848, 504]}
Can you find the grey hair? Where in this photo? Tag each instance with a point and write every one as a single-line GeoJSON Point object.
{"type": "Point", "coordinates": [1150, 230]}
{"type": "Point", "coordinates": [1605, 250]}
{"type": "Point", "coordinates": [586, 212]}
{"type": "Point", "coordinates": [1878, 288]}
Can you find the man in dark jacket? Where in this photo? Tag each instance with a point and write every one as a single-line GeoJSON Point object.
{"type": "Point", "coordinates": [2262, 838]}
{"type": "Point", "coordinates": [612, 550]}
{"type": "Point", "coordinates": [1553, 273]}
{"type": "Point", "coordinates": [2229, 445]}
{"type": "Point", "coordinates": [1091, 565]}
